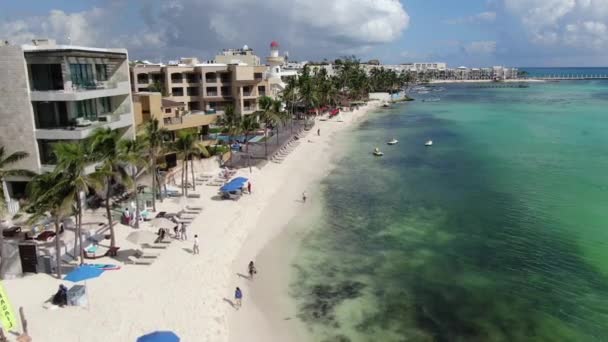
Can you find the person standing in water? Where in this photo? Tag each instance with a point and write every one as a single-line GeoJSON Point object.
{"type": "Point", "coordinates": [238, 297]}
{"type": "Point", "coordinates": [304, 197]}
{"type": "Point", "coordinates": [252, 270]}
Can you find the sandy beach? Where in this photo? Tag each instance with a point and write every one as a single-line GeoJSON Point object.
{"type": "Point", "coordinates": [192, 294]}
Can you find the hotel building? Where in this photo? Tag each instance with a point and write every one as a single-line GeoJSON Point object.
{"type": "Point", "coordinates": [54, 93]}
{"type": "Point", "coordinates": [234, 77]}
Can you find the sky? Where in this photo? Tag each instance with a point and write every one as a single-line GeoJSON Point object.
{"type": "Point", "coordinates": [460, 32]}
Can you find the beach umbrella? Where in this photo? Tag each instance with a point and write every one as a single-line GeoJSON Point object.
{"type": "Point", "coordinates": [159, 336]}
{"type": "Point", "coordinates": [141, 236]}
{"type": "Point", "coordinates": [162, 222]}
{"type": "Point", "coordinates": [83, 272]}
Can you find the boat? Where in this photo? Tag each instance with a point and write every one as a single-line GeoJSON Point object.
{"type": "Point", "coordinates": [377, 152]}
{"type": "Point", "coordinates": [428, 143]}
{"type": "Point", "coordinates": [392, 142]}
{"type": "Point", "coordinates": [432, 99]}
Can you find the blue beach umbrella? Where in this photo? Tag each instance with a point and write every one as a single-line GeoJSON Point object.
{"type": "Point", "coordinates": [84, 272]}
{"type": "Point", "coordinates": [159, 336]}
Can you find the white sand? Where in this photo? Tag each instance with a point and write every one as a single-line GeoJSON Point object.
{"type": "Point", "coordinates": [187, 293]}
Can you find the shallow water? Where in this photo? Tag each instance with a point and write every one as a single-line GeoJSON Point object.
{"type": "Point", "coordinates": [496, 233]}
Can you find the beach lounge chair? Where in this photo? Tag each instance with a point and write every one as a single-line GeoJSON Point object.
{"type": "Point", "coordinates": [194, 208]}
{"type": "Point", "coordinates": [194, 196]}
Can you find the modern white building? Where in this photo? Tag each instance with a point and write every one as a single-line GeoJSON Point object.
{"type": "Point", "coordinates": [54, 93]}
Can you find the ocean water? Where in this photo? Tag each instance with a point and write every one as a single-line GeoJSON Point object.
{"type": "Point", "coordinates": [544, 72]}
{"type": "Point", "coordinates": [499, 232]}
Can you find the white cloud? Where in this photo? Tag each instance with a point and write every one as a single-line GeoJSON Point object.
{"type": "Point", "coordinates": [484, 47]}
{"type": "Point", "coordinates": [483, 17]}
{"type": "Point", "coordinates": [201, 27]}
{"type": "Point", "coordinates": [574, 23]}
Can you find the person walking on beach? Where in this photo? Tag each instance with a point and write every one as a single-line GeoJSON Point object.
{"type": "Point", "coordinates": [304, 197]}
{"type": "Point", "coordinates": [249, 187]}
{"type": "Point", "coordinates": [319, 132]}
{"type": "Point", "coordinates": [252, 270]}
{"type": "Point", "coordinates": [238, 297]}
{"type": "Point", "coordinates": [184, 234]}
{"type": "Point", "coordinates": [195, 246]}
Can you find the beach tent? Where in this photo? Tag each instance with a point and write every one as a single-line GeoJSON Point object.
{"type": "Point", "coordinates": [235, 184]}
{"type": "Point", "coordinates": [84, 272]}
{"type": "Point", "coordinates": [159, 336]}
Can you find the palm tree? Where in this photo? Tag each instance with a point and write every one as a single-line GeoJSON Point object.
{"type": "Point", "coordinates": [104, 149]}
{"type": "Point", "coordinates": [279, 117]}
{"type": "Point", "coordinates": [5, 162]}
{"type": "Point", "coordinates": [267, 116]}
{"type": "Point", "coordinates": [248, 124]}
{"type": "Point", "coordinates": [51, 193]}
{"type": "Point", "coordinates": [133, 153]}
{"type": "Point", "coordinates": [230, 121]}
{"type": "Point", "coordinates": [183, 145]}
{"type": "Point", "coordinates": [72, 159]}
{"type": "Point", "coordinates": [154, 136]}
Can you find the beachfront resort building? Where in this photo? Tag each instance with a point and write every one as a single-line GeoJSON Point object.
{"type": "Point", "coordinates": [207, 88]}
{"type": "Point", "coordinates": [53, 93]}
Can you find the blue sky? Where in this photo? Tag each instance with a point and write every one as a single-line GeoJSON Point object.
{"type": "Point", "coordinates": [465, 32]}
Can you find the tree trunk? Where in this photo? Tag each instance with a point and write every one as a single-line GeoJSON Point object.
{"type": "Point", "coordinates": [2, 258]}
{"type": "Point", "coordinates": [246, 142]}
{"type": "Point", "coordinates": [134, 175]}
{"type": "Point", "coordinates": [186, 175]}
{"type": "Point", "coordinates": [183, 183]}
{"type": "Point", "coordinates": [80, 250]}
{"type": "Point", "coordinates": [109, 213]}
{"type": "Point", "coordinates": [160, 186]}
{"type": "Point", "coordinates": [278, 134]}
{"type": "Point", "coordinates": [153, 184]}
{"type": "Point", "coordinates": [192, 170]}
{"type": "Point", "coordinates": [57, 247]}
{"type": "Point", "coordinates": [266, 140]}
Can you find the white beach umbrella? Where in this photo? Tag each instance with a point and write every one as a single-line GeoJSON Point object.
{"type": "Point", "coordinates": [141, 236]}
{"type": "Point", "coordinates": [162, 222]}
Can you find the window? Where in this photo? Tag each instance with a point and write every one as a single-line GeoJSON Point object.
{"type": "Point", "coordinates": [167, 110]}
{"type": "Point", "coordinates": [82, 74]}
{"type": "Point", "coordinates": [106, 104]}
{"type": "Point", "coordinates": [142, 78]}
{"type": "Point", "coordinates": [192, 91]}
{"type": "Point", "coordinates": [177, 91]}
{"type": "Point", "coordinates": [86, 109]}
{"type": "Point", "coordinates": [102, 72]}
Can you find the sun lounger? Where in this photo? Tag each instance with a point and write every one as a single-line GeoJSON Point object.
{"type": "Point", "coordinates": [149, 246]}
{"type": "Point", "coordinates": [194, 196]}
{"type": "Point", "coordinates": [194, 208]}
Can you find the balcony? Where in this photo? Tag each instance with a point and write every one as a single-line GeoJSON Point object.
{"type": "Point", "coordinates": [78, 93]}
{"type": "Point", "coordinates": [84, 128]}
{"type": "Point", "coordinates": [212, 93]}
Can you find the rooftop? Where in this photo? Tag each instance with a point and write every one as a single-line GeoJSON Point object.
{"type": "Point", "coordinates": [165, 103]}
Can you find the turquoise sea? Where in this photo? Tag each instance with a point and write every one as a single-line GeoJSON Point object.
{"type": "Point", "coordinates": [499, 232]}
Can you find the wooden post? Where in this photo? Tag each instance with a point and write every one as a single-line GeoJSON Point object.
{"type": "Point", "coordinates": [23, 320]}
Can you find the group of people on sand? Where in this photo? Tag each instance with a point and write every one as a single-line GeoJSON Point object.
{"type": "Point", "coordinates": [238, 294]}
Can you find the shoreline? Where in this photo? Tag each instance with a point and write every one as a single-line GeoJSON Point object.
{"type": "Point", "coordinates": [526, 80]}
{"type": "Point", "coordinates": [178, 291]}
{"type": "Point", "coordinates": [271, 313]}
